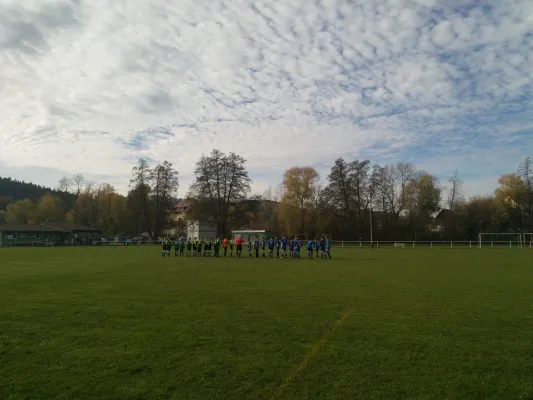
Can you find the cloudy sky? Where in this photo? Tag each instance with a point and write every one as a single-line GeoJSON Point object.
{"type": "Point", "coordinates": [89, 86]}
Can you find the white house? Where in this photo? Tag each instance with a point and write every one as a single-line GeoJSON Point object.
{"type": "Point", "coordinates": [201, 229]}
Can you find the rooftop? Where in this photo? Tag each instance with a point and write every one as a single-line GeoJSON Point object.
{"type": "Point", "coordinates": [72, 227]}
{"type": "Point", "coordinates": [59, 227]}
{"type": "Point", "coordinates": [29, 228]}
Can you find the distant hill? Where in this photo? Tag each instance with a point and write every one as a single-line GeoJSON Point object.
{"type": "Point", "coordinates": [13, 190]}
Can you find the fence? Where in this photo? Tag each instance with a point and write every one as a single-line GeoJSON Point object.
{"type": "Point", "coordinates": [473, 244]}
{"type": "Point", "coordinates": [34, 243]}
{"type": "Point", "coordinates": [456, 244]}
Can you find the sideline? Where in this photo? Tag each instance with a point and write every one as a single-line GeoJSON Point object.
{"type": "Point", "coordinates": [294, 372]}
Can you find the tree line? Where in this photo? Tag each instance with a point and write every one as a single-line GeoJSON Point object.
{"type": "Point", "coordinates": [12, 189]}
{"type": "Point", "coordinates": [357, 199]}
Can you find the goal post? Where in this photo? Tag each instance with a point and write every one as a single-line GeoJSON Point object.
{"type": "Point", "coordinates": [300, 236]}
{"type": "Point", "coordinates": [527, 240]}
{"type": "Point", "coordinates": [500, 239]}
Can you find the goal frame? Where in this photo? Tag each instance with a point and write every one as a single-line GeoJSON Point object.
{"type": "Point", "coordinates": [517, 236]}
{"type": "Point", "coordinates": [300, 236]}
{"type": "Point", "coordinates": [527, 240]}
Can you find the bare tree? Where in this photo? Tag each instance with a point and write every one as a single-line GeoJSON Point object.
{"type": "Point", "coordinates": [223, 181]}
{"type": "Point", "coordinates": [393, 187]}
{"type": "Point", "coordinates": [317, 211]}
{"type": "Point", "coordinates": [455, 192]}
{"type": "Point", "coordinates": [65, 184]}
{"type": "Point", "coordinates": [405, 173]}
{"type": "Point", "coordinates": [78, 182]}
{"type": "Point", "coordinates": [90, 187]}
{"type": "Point", "coordinates": [269, 200]}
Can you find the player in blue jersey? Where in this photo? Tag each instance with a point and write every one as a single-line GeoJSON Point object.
{"type": "Point", "coordinates": [271, 248]}
{"type": "Point", "coordinates": [316, 245]}
{"type": "Point", "coordinates": [278, 245]}
{"type": "Point", "coordinates": [249, 247]}
{"type": "Point", "coordinates": [322, 245]}
{"type": "Point", "coordinates": [291, 248]}
{"type": "Point", "coordinates": [328, 249]}
{"type": "Point", "coordinates": [256, 247]}
{"type": "Point", "coordinates": [310, 249]}
{"type": "Point", "coordinates": [297, 246]}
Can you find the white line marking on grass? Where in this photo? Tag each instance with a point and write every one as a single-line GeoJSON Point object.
{"type": "Point", "coordinates": [296, 370]}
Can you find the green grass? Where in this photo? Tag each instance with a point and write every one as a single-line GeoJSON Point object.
{"type": "Point", "coordinates": [123, 323]}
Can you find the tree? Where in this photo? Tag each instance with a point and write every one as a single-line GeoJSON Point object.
{"type": "Point", "coordinates": [525, 172]}
{"type": "Point", "coordinates": [511, 189]}
{"type": "Point", "coordinates": [20, 212]}
{"type": "Point", "coordinates": [164, 181]}
{"type": "Point", "coordinates": [300, 189]}
{"type": "Point", "coordinates": [110, 209]}
{"type": "Point", "coordinates": [65, 184]}
{"type": "Point", "coordinates": [138, 201]}
{"type": "Point", "coordinates": [339, 195]}
{"type": "Point", "coordinates": [50, 209]}
{"type": "Point", "coordinates": [339, 189]}
{"type": "Point", "coordinates": [77, 182]}
{"type": "Point", "coordinates": [360, 170]}
{"type": "Point", "coordinates": [404, 174]}
{"type": "Point", "coordinates": [483, 214]}
{"type": "Point", "coordinates": [395, 179]}
{"type": "Point", "coordinates": [4, 201]}
{"type": "Point", "coordinates": [512, 196]}
{"type": "Point", "coordinates": [222, 180]}
{"type": "Point", "coordinates": [269, 201]}
{"type": "Point", "coordinates": [317, 212]}
{"type": "Point", "coordinates": [347, 194]}
{"type": "Point", "coordinates": [455, 193]}
{"type": "Point", "coordinates": [83, 211]}
{"type": "Point", "coordinates": [422, 197]}
{"type": "Point", "coordinates": [454, 202]}
{"type": "Point", "coordinates": [16, 190]}
{"type": "Point", "coordinates": [373, 189]}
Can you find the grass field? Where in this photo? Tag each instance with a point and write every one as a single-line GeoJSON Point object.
{"type": "Point", "coordinates": [123, 323]}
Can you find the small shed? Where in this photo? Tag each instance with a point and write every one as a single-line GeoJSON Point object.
{"type": "Point", "coordinates": [249, 234]}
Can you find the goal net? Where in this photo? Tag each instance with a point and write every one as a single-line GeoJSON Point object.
{"type": "Point", "coordinates": [300, 236]}
{"type": "Point", "coordinates": [510, 240]}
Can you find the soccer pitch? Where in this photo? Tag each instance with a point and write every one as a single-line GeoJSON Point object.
{"type": "Point", "coordinates": [124, 323]}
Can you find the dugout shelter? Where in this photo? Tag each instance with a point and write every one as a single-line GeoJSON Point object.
{"type": "Point", "coordinates": [48, 235]}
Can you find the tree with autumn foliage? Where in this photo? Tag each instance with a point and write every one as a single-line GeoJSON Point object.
{"type": "Point", "coordinates": [20, 212]}
{"type": "Point", "coordinates": [299, 198]}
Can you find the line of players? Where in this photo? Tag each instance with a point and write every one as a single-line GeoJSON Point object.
{"type": "Point", "coordinates": [276, 247]}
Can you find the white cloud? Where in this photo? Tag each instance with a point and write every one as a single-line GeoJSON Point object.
{"type": "Point", "coordinates": [89, 86]}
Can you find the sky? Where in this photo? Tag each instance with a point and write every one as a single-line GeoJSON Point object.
{"type": "Point", "coordinates": [90, 86]}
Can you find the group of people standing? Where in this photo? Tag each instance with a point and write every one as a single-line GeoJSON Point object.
{"type": "Point", "coordinates": [258, 247]}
